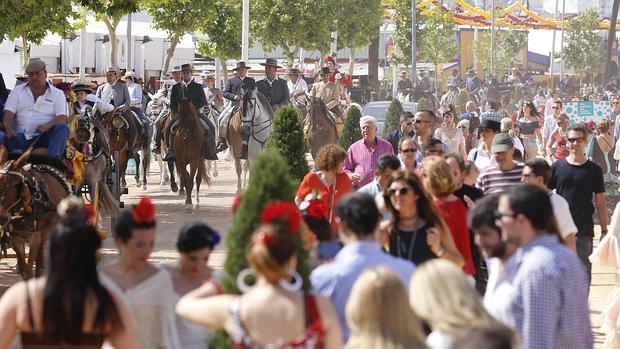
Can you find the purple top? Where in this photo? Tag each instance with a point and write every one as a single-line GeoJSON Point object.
{"type": "Point", "coordinates": [362, 159]}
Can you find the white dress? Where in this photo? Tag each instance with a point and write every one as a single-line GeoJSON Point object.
{"type": "Point", "coordinates": [453, 139]}
{"type": "Point", "coordinates": [607, 253]}
{"type": "Point", "coordinates": [151, 306]}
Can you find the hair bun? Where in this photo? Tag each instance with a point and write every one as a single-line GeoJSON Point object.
{"type": "Point", "coordinates": [73, 212]}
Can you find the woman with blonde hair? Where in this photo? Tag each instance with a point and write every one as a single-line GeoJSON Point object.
{"type": "Point", "coordinates": [378, 313]}
{"type": "Point", "coordinates": [441, 295]}
{"type": "Point", "coordinates": [508, 127]}
{"type": "Point", "coordinates": [439, 181]}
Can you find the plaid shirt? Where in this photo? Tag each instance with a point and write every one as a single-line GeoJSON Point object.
{"type": "Point", "coordinates": [550, 300]}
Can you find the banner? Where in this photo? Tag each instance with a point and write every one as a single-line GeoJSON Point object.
{"type": "Point", "coordinates": [584, 111]}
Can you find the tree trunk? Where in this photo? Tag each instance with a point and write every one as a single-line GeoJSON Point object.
{"type": "Point", "coordinates": [611, 38]}
{"type": "Point", "coordinates": [222, 62]}
{"type": "Point", "coordinates": [174, 41]}
{"type": "Point", "coordinates": [111, 25]}
{"type": "Point", "coordinates": [352, 61]}
{"type": "Point", "coordinates": [373, 63]}
{"type": "Point", "coordinates": [26, 55]}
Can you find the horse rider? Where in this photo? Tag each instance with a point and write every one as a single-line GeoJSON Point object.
{"type": "Point", "coordinates": [35, 111]}
{"type": "Point", "coordinates": [297, 86]}
{"type": "Point", "coordinates": [333, 70]}
{"type": "Point", "coordinates": [175, 73]}
{"type": "Point", "coordinates": [425, 83]}
{"type": "Point", "coordinates": [472, 83]}
{"type": "Point", "coordinates": [114, 91]}
{"type": "Point", "coordinates": [329, 92]}
{"type": "Point", "coordinates": [85, 99]}
{"type": "Point", "coordinates": [214, 95]}
{"type": "Point", "coordinates": [404, 86]}
{"type": "Point", "coordinates": [235, 88]}
{"type": "Point", "coordinates": [135, 99]}
{"type": "Point", "coordinates": [187, 88]}
{"type": "Point", "coordinates": [272, 87]}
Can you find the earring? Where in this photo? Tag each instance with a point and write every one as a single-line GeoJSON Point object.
{"type": "Point", "coordinates": [295, 285]}
{"type": "Point", "coordinates": [241, 285]}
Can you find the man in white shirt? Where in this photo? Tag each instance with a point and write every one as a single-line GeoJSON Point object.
{"type": "Point", "coordinates": [297, 86]}
{"type": "Point", "coordinates": [615, 115]}
{"type": "Point", "coordinates": [538, 172]}
{"type": "Point", "coordinates": [135, 98]}
{"type": "Point", "coordinates": [551, 122]}
{"type": "Point", "coordinates": [553, 96]}
{"type": "Point", "coordinates": [35, 111]}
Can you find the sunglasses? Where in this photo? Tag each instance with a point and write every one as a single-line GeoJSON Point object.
{"type": "Point", "coordinates": [555, 107]}
{"type": "Point", "coordinates": [463, 127]}
{"type": "Point", "coordinates": [409, 150]}
{"type": "Point", "coordinates": [401, 191]}
{"type": "Point", "coordinates": [419, 121]}
{"type": "Point", "coordinates": [616, 102]}
{"type": "Point", "coordinates": [573, 140]}
{"type": "Point", "coordinates": [408, 123]}
{"type": "Point", "coordinates": [498, 215]}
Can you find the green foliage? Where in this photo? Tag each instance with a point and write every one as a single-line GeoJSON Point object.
{"type": "Point", "coordinates": [351, 132]}
{"type": "Point", "coordinates": [392, 118]}
{"type": "Point", "coordinates": [438, 44]}
{"type": "Point", "coordinates": [112, 10]}
{"type": "Point", "coordinates": [510, 43]}
{"type": "Point", "coordinates": [32, 19]}
{"type": "Point", "coordinates": [223, 29]}
{"type": "Point", "coordinates": [291, 24]}
{"type": "Point", "coordinates": [177, 17]}
{"type": "Point", "coordinates": [287, 137]}
{"type": "Point", "coordinates": [424, 103]}
{"type": "Point", "coordinates": [582, 45]}
{"type": "Point", "coordinates": [359, 26]}
{"type": "Point", "coordinates": [402, 31]}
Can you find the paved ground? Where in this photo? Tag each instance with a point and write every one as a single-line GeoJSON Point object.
{"type": "Point", "coordinates": [215, 210]}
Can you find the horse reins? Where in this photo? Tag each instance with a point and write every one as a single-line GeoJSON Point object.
{"type": "Point", "coordinates": [253, 125]}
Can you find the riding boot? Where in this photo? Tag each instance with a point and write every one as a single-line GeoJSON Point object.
{"type": "Point", "coordinates": [209, 151]}
{"type": "Point", "coordinates": [158, 134]}
{"type": "Point", "coordinates": [170, 155]}
{"type": "Point", "coordinates": [221, 145]}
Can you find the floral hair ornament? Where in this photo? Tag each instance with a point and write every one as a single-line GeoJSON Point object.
{"type": "Point", "coordinates": [89, 212]}
{"type": "Point", "coordinates": [314, 207]}
{"type": "Point", "coordinates": [144, 211]}
{"type": "Point", "coordinates": [214, 238]}
{"type": "Point", "coordinates": [266, 237]}
{"type": "Point", "coordinates": [282, 212]}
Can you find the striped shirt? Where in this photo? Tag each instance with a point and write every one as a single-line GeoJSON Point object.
{"type": "Point", "coordinates": [362, 159]}
{"type": "Point", "coordinates": [495, 180]}
{"type": "Point", "coordinates": [549, 302]}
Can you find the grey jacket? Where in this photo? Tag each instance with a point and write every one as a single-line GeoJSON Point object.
{"type": "Point", "coordinates": [117, 94]}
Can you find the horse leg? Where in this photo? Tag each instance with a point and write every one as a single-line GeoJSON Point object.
{"type": "Point", "coordinates": [122, 165]}
{"type": "Point", "coordinates": [37, 247]}
{"type": "Point", "coordinates": [18, 245]}
{"type": "Point", "coordinates": [182, 172]}
{"type": "Point", "coordinates": [136, 158]}
{"type": "Point", "coordinates": [146, 163]}
{"type": "Point", "coordinates": [173, 183]}
{"type": "Point", "coordinates": [246, 170]}
{"type": "Point", "coordinates": [215, 173]}
{"type": "Point", "coordinates": [190, 184]}
{"type": "Point", "coordinates": [238, 170]}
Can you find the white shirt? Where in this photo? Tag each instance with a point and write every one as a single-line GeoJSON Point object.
{"type": "Point", "coordinates": [548, 127]}
{"type": "Point", "coordinates": [29, 114]}
{"type": "Point", "coordinates": [300, 86]}
{"type": "Point", "coordinates": [101, 105]}
{"type": "Point", "coordinates": [549, 107]}
{"type": "Point", "coordinates": [135, 94]}
{"type": "Point", "coordinates": [481, 158]}
{"type": "Point", "coordinates": [456, 143]}
{"type": "Point", "coordinates": [518, 144]}
{"type": "Point", "coordinates": [499, 293]}
{"type": "Point", "coordinates": [562, 215]}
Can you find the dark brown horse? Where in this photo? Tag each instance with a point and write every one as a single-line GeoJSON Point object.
{"type": "Point", "coordinates": [188, 141]}
{"type": "Point", "coordinates": [319, 128]}
{"type": "Point", "coordinates": [29, 195]}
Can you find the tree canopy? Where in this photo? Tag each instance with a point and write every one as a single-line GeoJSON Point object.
{"type": "Point", "coordinates": [359, 26]}
{"type": "Point", "coordinates": [582, 45]}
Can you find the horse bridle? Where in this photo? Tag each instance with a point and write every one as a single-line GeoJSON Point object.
{"type": "Point", "coordinates": [20, 187]}
{"type": "Point", "coordinates": [92, 122]}
{"type": "Point", "coordinates": [251, 121]}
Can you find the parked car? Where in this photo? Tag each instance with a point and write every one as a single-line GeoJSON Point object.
{"type": "Point", "coordinates": [379, 110]}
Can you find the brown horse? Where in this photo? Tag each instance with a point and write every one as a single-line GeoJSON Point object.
{"type": "Point", "coordinates": [188, 141]}
{"type": "Point", "coordinates": [319, 128]}
{"type": "Point", "coordinates": [28, 200]}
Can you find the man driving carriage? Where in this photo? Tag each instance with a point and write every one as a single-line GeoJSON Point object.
{"type": "Point", "coordinates": [188, 89]}
{"type": "Point", "coordinates": [35, 111]}
{"type": "Point", "coordinates": [235, 88]}
{"type": "Point", "coordinates": [175, 73]}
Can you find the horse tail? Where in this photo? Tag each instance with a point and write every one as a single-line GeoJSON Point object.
{"type": "Point", "coordinates": [202, 169]}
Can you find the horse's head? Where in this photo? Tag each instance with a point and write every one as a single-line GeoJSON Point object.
{"type": "Point", "coordinates": [12, 184]}
{"type": "Point", "coordinates": [187, 112]}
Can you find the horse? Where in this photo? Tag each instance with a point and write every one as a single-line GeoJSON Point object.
{"type": "Point", "coordinates": [93, 141]}
{"type": "Point", "coordinates": [257, 114]}
{"type": "Point", "coordinates": [319, 129]}
{"type": "Point", "coordinates": [187, 139]}
{"type": "Point", "coordinates": [28, 200]}
{"type": "Point", "coordinates": [126, 139]}
{"type": "Point", "coordinates": [213, 116]}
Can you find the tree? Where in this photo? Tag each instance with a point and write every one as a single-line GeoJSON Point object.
{"type": "Point", "coordinates": [291, 24]}
{"type": "Point", "coordinates": [392, 118]}
{"type": "Point", "coordinates": [424, 104]}
{"type": "Point", "coordinates": [510, 43]}
{"type": "Point", "coordinates": [438, 44]}
{"type": "Point", "coordinates": [31, 20]}
{"type": "Point", "coordinates": [351, 132]}
{"type": "Point", "coordinates": [176, 18]}
{"type": "Point", "coordinates": [611, 37]}
{"type": "Point", "coordinates": [582, 45]}
{"type": "Point", "coordinates": [287, 136]}
{"type": "Point", "coordinates": [224, 31]}
{"type": "Point", "coordinates": [110, 12]}
{"type": "Point", "coordinates": [402, 31]}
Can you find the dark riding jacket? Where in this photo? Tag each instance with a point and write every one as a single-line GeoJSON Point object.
{"type": "Point", "coordinates": [276, 92]}
{"type": "Point", "coordinates": [236, 86]}
{"type": "Point", "coordinates": [193, 91]}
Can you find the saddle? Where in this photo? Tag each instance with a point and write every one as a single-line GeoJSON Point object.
{"type": "Point", "coordinates": [185, 132]}
{"type": "Point", "coordinates": [138, 121]}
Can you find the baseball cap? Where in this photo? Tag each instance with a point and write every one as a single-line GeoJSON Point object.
{"type": "Point", "coordinates": [501, 142]}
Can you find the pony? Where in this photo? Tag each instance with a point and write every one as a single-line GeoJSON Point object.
{"type": "Point", "coordinates": [188, 141]}
{"type": "Point", "coordinates": [257, 114]}
{"type": "Point", "coordinates": [29, 195]}
{"type": "Point", "coordinates": [319, 128]}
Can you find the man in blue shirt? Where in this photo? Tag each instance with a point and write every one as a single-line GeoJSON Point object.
{"type": "Point", "coordinates": [549, 300]}
{"type": "Point", "coordinates": [357, 218]}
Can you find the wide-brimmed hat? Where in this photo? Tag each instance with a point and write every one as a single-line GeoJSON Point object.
{"type": "Point", "coordinates": [111, 70]}
{"type": "Point", "coordinates": [130, 74]}
{"type": "Point", "coordinates": [186, 67]}
{"type": "Point", "coordinates": [491, 125]}
{"type": "Point", "coordinates": [82, 85]}
{"type": "Point", "coordinates": [293, 71]}
{"type": "Point", "coordinates": [205, 73]}
{"type": "Point", "coordinates": [501, 142]}
{"type": "Point", "coordinates": [241, 65]}
{"type": "Point", "coordinates": [175, 69]}
{"type": "Point", "coordinates": [471, 71]}
{"type": "Point", "coordinates": [271, 62]}
{"type": "Point", "coordinates": [35, 65]}
{"type": "Point", "coordinates": [330, 59]}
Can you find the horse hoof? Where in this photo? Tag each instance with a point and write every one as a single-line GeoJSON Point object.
{"type": "Point", "coordinates": [174, 187]}
{"type": "Point", "coordinates": [196, 206]}
{"type": "Point", "coordinates": [138, 184]}
{"type": "Point", "coordinates": [189, 207]}
{"type": "Point", "coordinates": [239, 191]}
{"type": "Point", "coordinates": [144, 188]}
{"type": "Point", "coordinates": [181, 192]}
{"type": "Point", "coordinates": [215, 173]}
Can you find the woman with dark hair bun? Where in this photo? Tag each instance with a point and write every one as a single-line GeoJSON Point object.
{"type": "Point", "coordinates": [145, 288]}
{"type": "Point", "coordinates": [68, 307]}
{"type": "Point", "coordinates": [274, 312]}
{"type": "Point", "coordinates": [195, 243]}
{"type": "Point", "coordinates": [313, 210]}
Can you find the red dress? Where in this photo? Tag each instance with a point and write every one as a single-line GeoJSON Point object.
{"type": "Point", "coordinates": [312, 182]}
{"type": "Point", "coordinates": [560, 141]}
{"type": "Point", "coordinates": [454, 214]}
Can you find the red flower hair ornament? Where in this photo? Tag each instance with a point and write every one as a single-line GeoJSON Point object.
{"type": "Point", "coordinates": [144, 211]}
{"type": "Point", "coordinates": [282, 212]}
{"type": "Point", "coordinates": [266, 237]}
{"type": "Point", "coordinates": [316, 209]}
